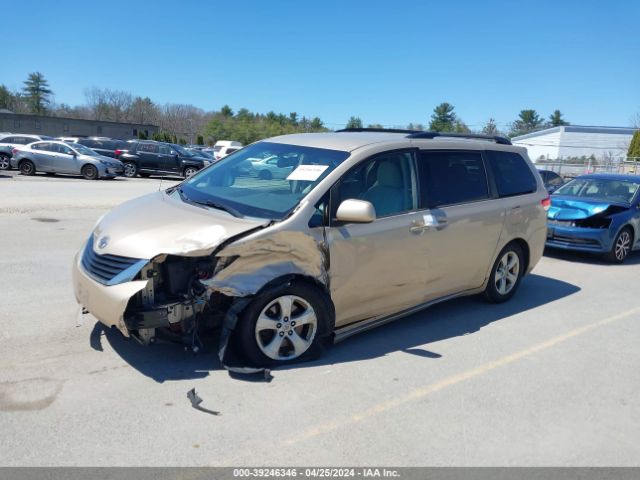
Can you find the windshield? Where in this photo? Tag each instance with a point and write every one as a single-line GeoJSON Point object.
{"type": "Point", "coordinates": [600, 189]}
{"type": "Point", "coordinates": [81, 149]}
{"type": "Point", "coordinates": [182, 151]}
{"type": "Point", "coordinates": [264, 180]}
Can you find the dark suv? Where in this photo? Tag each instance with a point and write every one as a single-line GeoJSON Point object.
{"type": "Point", "coordinates": [147, 157]}
{"type": "Point", "coordinates": [105, 146]}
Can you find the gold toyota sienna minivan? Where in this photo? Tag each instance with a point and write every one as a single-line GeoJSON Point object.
{"type": "Point", "coordinates": [299, 240]}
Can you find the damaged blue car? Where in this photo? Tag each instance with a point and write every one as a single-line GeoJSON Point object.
{"type": "Point", "coordinates": [597, 213]}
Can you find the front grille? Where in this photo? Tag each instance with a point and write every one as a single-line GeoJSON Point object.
{"type": "Point", "coordinates": [105, 268]}
{"type": "Point", "coordinates": [576, 240]}
{"type": "Point", "coordinates": [562, 223]}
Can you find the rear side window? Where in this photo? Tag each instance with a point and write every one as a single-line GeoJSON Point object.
{"type": "Point", "coordinates": [511, 173]}
{"type": "Point", "coordinates": [89, 143]}
{"type": "Point", "coordinates": [554, 179]}
{"type": "Point", "coordinates": [42, 146]}
{"type": "Point", "coordinates": [148, 147]}
{"type": "Point", "coordinates": [450, 178]}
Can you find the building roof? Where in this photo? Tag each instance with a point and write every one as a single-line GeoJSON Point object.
{"type": "Point", "coordinates": [577, 129]}
{"type": "Point", "coordinates": [34, 116]}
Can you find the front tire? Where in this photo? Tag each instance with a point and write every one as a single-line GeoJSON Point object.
{"type": "Point", "coordinates": [89, 172]}
{"type": "Point", "coordinates": [27, 168]}
{"type": "Point", "coordinates": [505, 275]}
{"type": "Point", "coordinates": [283, 324]}
{"type": "Point", "coordinates": [5, 164]}
{"type": "Point", "coordinates": [130, 169]}
{"type": "Point", "coordinates": [621, 246]}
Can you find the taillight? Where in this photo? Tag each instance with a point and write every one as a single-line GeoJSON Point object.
{"type": "Point", "coordinates": [117, 153]}
{"type": "Point", "coordinates": [546, 203]}
{"type": "Point", "coordinates": [14, 151]}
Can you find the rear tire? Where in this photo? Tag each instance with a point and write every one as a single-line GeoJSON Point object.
{"type": "Point", "coordinates": [90, 172]}
{"type": "Point", "coordinates": [5, 164]}
{"type": "Point", "coordinates": [130, 169]}
{"type": "Point", "coordinates": [621, 246]}
{"type": "Point", "coordinates": [505, 275]}
{"type": "Point", "coordinates": [189, 172]}
{"type": "Point", "coordinates": [27, 168]}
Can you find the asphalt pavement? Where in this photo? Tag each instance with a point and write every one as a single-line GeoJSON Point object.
{"type": "Point", "coordinates": [547, 379]}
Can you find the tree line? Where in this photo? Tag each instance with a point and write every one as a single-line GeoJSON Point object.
{"type": "Point", "coordinates": [179, 123]}
{"type": "Point", "coordinates": [188, 123]}
{"type": "Point", "coordinates": [445, 119]}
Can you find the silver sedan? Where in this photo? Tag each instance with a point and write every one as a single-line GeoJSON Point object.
{"type": "Point", "coordinates": [59, 157]}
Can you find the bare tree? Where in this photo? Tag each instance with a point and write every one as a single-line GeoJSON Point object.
{"type": "Point", "coordinates": [109, 105]}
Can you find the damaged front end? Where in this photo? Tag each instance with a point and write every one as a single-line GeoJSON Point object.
{"type": "Point", "coordinates": [583, 226]}
{"type": "Point", "coordinates": [182, 295]}
{"type": "Point", "coordinates": [174, 303]}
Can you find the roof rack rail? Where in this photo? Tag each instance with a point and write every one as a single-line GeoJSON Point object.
{"type": "Point", "coordinates": [379, 130]}
{"type": "Point", "coordinates": [474, 136]}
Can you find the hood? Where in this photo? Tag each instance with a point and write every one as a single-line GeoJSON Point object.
{"type": "Point", "coordinates": [576, 208]}
{"type": "Point", "coordinates": [161, 223]}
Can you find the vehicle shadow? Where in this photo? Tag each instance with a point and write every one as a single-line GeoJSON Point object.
{"type": "Point", "coordinates": [590, 258]}
{"type": "Point", "coordinates": [454, 318]}
{"type": "Point", "coordinates": [162, 361]}
{"type": "Point", "coordinates": [450, 319]}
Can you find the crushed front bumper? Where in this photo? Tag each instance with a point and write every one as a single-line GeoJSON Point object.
{"type": "Point", "coordinates": [106, 303]}
{"type": "Point", "coordinates": [596, 240]}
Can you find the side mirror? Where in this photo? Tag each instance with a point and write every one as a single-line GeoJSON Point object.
{"type": "Point", "coordinates": [356, 211]}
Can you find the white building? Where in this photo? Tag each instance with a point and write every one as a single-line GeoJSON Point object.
{"type": "Point", "coordinates": [557, 143]}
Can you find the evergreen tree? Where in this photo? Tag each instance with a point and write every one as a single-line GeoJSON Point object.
{"type": "Point", "coordinates": [634, 146]}
{"type": "Point", "coordinates": [528, 121]}
{"type": "Point", "coordinates": [354, 122]}
{"type": "Point", "coordinates": [443, 118]}
{"type": "Point", "coordinates": [6, 98]}
{"type": "Point", "coordinates": [37, 93]}
{"type": "Point", "coordinates": [556, 120]}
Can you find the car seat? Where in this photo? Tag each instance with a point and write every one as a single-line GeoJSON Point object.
{"type": "Point", "coordinates": [386, 193]}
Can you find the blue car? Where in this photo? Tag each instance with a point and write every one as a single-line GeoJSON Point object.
{"type": "Point", "coordinates": [597, 213]}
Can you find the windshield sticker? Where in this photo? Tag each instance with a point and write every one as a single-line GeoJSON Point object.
{"type": "Point", "coordinates": [307, 172]}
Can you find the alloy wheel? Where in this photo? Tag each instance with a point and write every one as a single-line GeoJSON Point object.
{"type": "Point", "coordinates": [286, 327]}
{"type": "Point", "coordinates": [129, 170]}
{"type": "Point", "coordinates": [622, 245]}
{"type": "Point", "coordinates": [506, 275]}
{"type": "Point", "coordinates": [4, 162]}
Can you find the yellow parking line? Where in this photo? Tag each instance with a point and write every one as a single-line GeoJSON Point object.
{"type": "Point", "coordinates": [422, 392]}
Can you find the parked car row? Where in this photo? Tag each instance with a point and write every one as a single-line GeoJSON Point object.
{"type": "Point", "coordinates": [102, 157]}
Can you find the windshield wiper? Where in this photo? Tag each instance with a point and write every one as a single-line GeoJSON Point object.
{"type": "Point", "coordinates": [220, 206]}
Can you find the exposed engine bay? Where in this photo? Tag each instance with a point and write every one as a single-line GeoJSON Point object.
{"type": "Point", "coordinates": [175, 305]}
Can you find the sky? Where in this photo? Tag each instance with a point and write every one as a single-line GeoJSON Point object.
{"type": "Point", "coordinates": [387, 62]}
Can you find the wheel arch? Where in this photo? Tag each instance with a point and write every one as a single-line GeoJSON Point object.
{"type": "Point", "coordinates": [526, 252]}
{"type": "Point", "coordinates": [307, 280]}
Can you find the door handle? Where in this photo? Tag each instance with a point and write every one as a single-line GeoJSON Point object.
{"type": "Point", "coordinates": [418, 228]}
{"type": "Point", "coordinates": [429, 222]}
